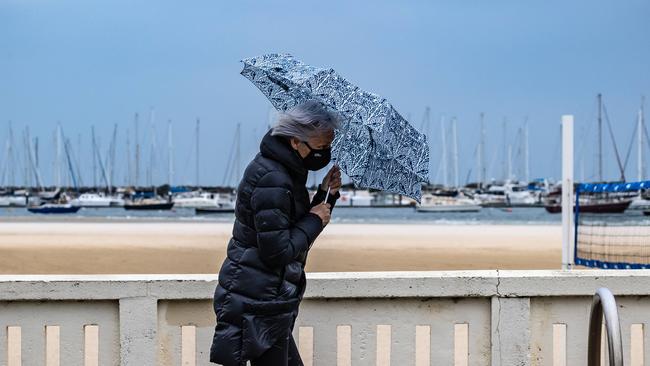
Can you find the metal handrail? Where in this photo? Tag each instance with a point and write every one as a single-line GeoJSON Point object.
{"type": "Point", "coordinates": [604, 302]}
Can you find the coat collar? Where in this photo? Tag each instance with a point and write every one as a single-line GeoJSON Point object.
{"type": "Point", "coordinates": [279, 149]}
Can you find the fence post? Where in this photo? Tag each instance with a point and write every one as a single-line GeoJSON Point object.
{"type": "Point", "coordinates": [510, 331]}
{"type": "Point", "coordinates": [138, 328]}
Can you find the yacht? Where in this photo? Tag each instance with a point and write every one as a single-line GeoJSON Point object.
{"type": "Point", "coordinates": [520, 195]}
{"type": "Point", "coordinates": [53, 208]}
{"type": "Point", "coordinates": [606, 204]}
{"type": "Point", "coordinates": [494, 196]}
{"type": "Point", "coordinates": [436, 203]}
{"type": "Point", "coordinates": [59, 204]}
{"type": "Point", "coordinates": [204, 200]}
{"type": "Point", "coordinates": [508, 194]}
{"type": "Point", "coordinates": [13, 200]}
{"type": "Point", "coordinates": [354, 199]}
{"type": "Point", "coordinates": [97, 200]}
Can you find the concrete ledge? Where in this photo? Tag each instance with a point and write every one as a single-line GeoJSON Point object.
{"type": "Point", "coordinates": [336, 285]}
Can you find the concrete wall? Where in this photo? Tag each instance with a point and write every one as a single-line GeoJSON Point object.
{"type": "Point", "coordinates": [501, 318]}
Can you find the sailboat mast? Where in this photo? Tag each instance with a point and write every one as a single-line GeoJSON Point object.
{"type": "Point", "coordinates": [170, 154]}
{"type": "Point", "coordinates": [238, 155]}
{"type": "Point", "coordinates": [137, 152]}
{"type": "Point", "coordinates": [129, 177]}
{"type": "Point", "coordinates": [30, 160]}
{"type": "Point", "coordinates": [77, 161]}
{"type": "Point", "coordinates": [152, 149]}
{"type": "Point", "coordinates": [444, 150]}
{"type": "Point", "coordinates": [600, 137]}
{"type": "Point", "coordinates": [482, 168]}
{"type": "Point", "coordinates": [509, 163]}
{"type": "Point", "coordinates": [36, 151]}
{"type": "Point", "coordinates": [5, 166]}
{"type": "Point", "coordinates": [526, 153]}
{"type": "Point", "coordinates": [28, 157]}
{"type": "Point", "coordinates": [92, 131]}
{"type": "Point", "coordinates": [112, 152]}
{"type": "Point", "coordinates": [455, 147]}
{"type": "Point", "coordinates": [57, 161]}
{"type": "Point", "coordinates": [425, 128]}
{"type": "Point", "coordinates": [10, 154]}
{"type": "Point", "coordinates": [640, 131]}
{"type": "Point", "coordinates": [504, 162]}
{"type": "Point", "coordinates": [198, 123]}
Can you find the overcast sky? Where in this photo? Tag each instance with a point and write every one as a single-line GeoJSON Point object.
{"type": "Point", "coordinates": [85, 63]}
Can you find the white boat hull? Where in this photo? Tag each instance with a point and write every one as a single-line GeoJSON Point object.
{"type": "Point", "coordinates": [191, 203]}
{"type": "Point", "coordinates": [91, 204]}
{"type": "Point", "coordinates": [449, 208]}
{"type": "Point", "coordinates": [640, 204]}
{"type": "Point", "coordinates": [13, 201]}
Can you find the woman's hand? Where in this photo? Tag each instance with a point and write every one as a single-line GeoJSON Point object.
{"type": "Point", "coordinates": [332, 179]}
{"type": "Point", "coordinates": [323, 211]}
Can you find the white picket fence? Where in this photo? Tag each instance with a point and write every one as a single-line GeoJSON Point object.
{"type": "Point", "coordinates": [501, 318]}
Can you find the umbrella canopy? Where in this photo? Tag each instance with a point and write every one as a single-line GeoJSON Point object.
{"type": "Point", "coordinates": [375, 146]}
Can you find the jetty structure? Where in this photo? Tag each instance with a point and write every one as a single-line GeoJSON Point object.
{"type": "Point", "coordinates": [462, 318]}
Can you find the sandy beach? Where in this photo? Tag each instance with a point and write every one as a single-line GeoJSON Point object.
{"type": "Point", "coordinates": [86, 247]}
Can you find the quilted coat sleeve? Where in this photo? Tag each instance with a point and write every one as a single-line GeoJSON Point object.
{"type": "Point", "coordinates": [279, 240]}
{"type": "Point", "coordinates": [320, 195]}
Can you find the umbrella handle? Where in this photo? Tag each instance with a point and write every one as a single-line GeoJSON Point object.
{"type": "Point", "coordinates": [327, 195]}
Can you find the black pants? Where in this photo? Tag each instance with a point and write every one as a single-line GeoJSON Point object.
{"type": "Point", "coordinates": [283, 353]}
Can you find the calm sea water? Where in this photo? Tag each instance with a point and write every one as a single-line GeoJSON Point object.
{"type": "Point", "coordinates": [521, 216]}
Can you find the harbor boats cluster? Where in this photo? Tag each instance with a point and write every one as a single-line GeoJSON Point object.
{"type": "Point", "coordinates": [435, 199]}
{"type": "Point", "coordinates": [59, 201]}
{"type": "Point", "coordinates": [514, 189]}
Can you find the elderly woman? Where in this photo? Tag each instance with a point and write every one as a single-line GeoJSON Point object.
{"type": "Point", "coordinates": [262, 279]}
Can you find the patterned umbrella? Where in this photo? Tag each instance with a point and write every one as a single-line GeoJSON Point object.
{"type": "Point", "coordinates": [375, 146]}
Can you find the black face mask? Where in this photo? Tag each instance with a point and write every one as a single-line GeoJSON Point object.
{"type": "Point", "coordinates": [317, 159]}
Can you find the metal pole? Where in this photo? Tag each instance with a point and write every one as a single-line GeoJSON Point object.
{"type": "Point", "coordinates": [567, 192]}
{"type": "Point", "coordinates": [604, 304]}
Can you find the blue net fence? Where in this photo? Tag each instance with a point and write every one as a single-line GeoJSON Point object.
{"type": "Point", "coordinates": [612, 230]}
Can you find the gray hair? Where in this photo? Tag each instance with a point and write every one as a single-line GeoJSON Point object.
{"type": "Point", "coordinates": [305, 120]}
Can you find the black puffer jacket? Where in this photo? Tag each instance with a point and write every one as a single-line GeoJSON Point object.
{"type": "Point", "coordinates": [262, 279]}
